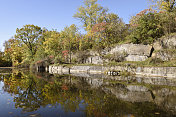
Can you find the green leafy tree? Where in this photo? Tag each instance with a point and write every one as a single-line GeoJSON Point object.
{"type": "Point", "coordinates": [61, 44]}
{"type": "Point", "coordinates": [29, 35]}
{"type": "Point", "coordinates": [90, 14]}
{"type": "Point", "coordinates": [146, 27]}
{"type": "Point", "coordinates": [14, 51]}
{"type": "Point", "coordinates": [41, 53]}
{"type": "Point", "coordinates": [7, 49]}
{"type": "Point", "coordinates": [166, 5]}
{"type": "Point", "coordinates": [70, 37]}
{"type": "Point", "coordinates": [3, 61]}
{"type": "Point", "coordinates": [168, 22]}
{"type": "Point", "coordinates": [167, 9]}
{"type": "Point", "coordinates": [110, 31]}
{"type": "Point", "coordinates": [53, 45]}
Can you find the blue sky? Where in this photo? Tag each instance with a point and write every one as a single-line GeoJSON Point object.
{"type": "Point", "coordinates": [55, 14]}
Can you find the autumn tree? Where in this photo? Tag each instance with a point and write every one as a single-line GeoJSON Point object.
{"type": "Point", "coordinates": [110, 31]}
{"type": "Point", "coordinates": [70, 38]}
{"type": "Point", "coordinates": [53, 45]}
{"type": "Point", "coordinates": [168, 22]}
{"type": "Point", "coordinates": [8, 49]}
{"type": "Point", "coordinates": [3, 61]}
{"type": "Point", "coordinates": [13, 51]}
{"type": "Point", "coordinates": [146, 27]}
{"type": "Point", "coordinates": [167, 9]}
{"type": "Point", "coordinates": [61, 44]}
{"type": "Point", "coordinates": [103, 29]}
{"type": "Point", "coordinates": [29, 35]}
{"type": "Point", "coordinates": [90, 13]}
{"type": "Point", "coordinates": [166, 5]}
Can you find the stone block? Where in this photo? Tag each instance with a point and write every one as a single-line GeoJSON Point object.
{"type": "Point", "coordinates": [135, 58]}
{"type": "Point", "coordinates": [132, 49]}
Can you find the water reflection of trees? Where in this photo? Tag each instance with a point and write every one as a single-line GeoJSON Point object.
{"type": "Point", "coordinates": [33, 91]}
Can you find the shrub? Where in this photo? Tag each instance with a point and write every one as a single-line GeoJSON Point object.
{"type": "Point", "coordinates": [155, 61]}
{"type": "Point", "coordinates": [80, 56]}
{"type": "Point", "coordinates": [146, 27]}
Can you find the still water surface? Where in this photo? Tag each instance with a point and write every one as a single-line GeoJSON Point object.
{"type": "Point", "coordinates": [27, 94]}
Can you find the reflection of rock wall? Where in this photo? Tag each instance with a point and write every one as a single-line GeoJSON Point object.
{"type": "Point", "coordinates": [166, 99]}
{"type": "Point", "coordinates": [148, 80]}
{"type": "Point", "coordinates": [132, 96]}
{"type": "Point", "coordinates": [95, 83]}
{"type": "Point", "coordinates": [131, 89]}
{"type": "Point", "coordinates": [130, 93]}
{"type": "Point", "coordinates": [137, 88]}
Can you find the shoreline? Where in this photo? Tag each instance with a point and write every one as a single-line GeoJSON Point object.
{"type": "Point", "coordinates": [169, 72]}
{"type": "Point", "coordinates": [7, 67]}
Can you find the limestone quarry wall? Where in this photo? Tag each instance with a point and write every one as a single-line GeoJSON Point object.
{"type": "Point", "coordinates": [138, 71]}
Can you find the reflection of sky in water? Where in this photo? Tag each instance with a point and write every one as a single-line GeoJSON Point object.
{"type": "Point", "coordinates": [1, 85]}
{"type": "Point", "coordinates": [6, 103]}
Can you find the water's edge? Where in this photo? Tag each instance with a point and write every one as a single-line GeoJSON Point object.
{"type": "Point", "coordinates": [137, 71]}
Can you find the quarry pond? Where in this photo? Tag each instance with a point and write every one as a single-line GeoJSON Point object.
{"type": "Point", "coordinates": [30, 94]}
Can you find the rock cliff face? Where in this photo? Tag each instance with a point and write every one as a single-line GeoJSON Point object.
{"type": "Point", "coordinates": [134, 52]}
{"type": "Point", "coordinates": [130, 52]}
{"type": "Point", "coordinates": [94, 60]}
{"type": "Point", "coordinates": [136, 58]}
{"type": "Point", "coordinates": [132, 49]}
{"type": "Point", "coordinates": [163, 49]}
{"type": "Point", "coordinates": [168, 42]}
{"type": "Point", "coordinates": [166, 54]}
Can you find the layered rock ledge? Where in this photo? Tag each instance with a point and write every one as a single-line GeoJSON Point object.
{"type": "Point", "coordinates": [138, 71]}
